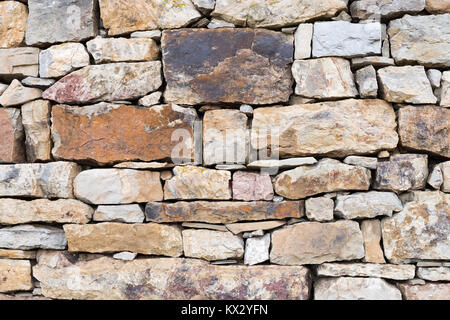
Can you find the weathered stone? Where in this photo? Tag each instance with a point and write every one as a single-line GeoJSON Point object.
{"type": "Point", "coordinates": [325, 78]}
{"type": "Point", "coordinates": [435, 77]}
{"type": "Point", "coordinates": [438, 6]}
{"type": "Point", "coordinates": [425, 128]}
{"type": "Point", "coordinates": [206, 66]}
{"type": "Point", "coordinates": [446, 175]}
{"type": "Point", "coordinates": [436, 178]}
{"type": "Point", "coordinates": [366, 162]}
{"type": "Point", "coordinates": [151, 34]}
{"type": "Point", "coordinates": [250, 186]}
{"type": "Point", "coordinates": [17, 254]}
{"type": "Point", "coordinates": [27, 237]}
{"type": "Point", "coordinates": [120, 17]}
{"type": "Point", "coordinates": [315, 243]}
{"type": "Point", "coordinates": [406, 84]}
{"type": "Point", "coordinates": [101, 132]}
{"type": "Point", "coordinates": [319, 209]}
{"type": "Point", "coordinates": [172, 279]}
{"type": "Point", "coordinates": [15, 275]}
{"type": "Point", "coordinates": [125, 256]}
{"type": "Point", "coordinates": [12, 133]}
{"type": "Point", "coordinates": [36, 122]}
{"type": "Point", "coordinates": [44, 180]}
{"type": "Point", "coordinates": [166, 175]}
{"type": "Point", "coordinates": [328, 175]}
{"type": "Point", "coordinates": [225, 137]}
{"type": "Point", "coordinates": [420, 230]}
{"type": "Point", "coordinates": [38, 82]}
{"type": "Point", "coordinates": [197, 225]}
{"type": "Point", "coordinates": [14, 211]}
{"type": "Point", "coordinates": [17, 94]}
{"type": "Point", "coordinates": [402, 172]}
{"type": "Point", "coordinates": [19, 62]}
{"type": "Point", "coordinates": [61, 21]}
{"type": "Point", "coordinates": [3, 88]}
{"type": "Point", "coordinates": [117, 186]}
{"type": "Point", "coordinates": [366, 79]}
{"type": "Point", "coordinates": [281, 164]}
{"type": "Point", "coordinates": [345, 39]}
{"type": "Point", "coordinates": [388, 271]}
{"type": "Point", "coordinates": [257, 250]}
{"type": "Point", "coordinates": [445, 92]}
{"type": "Point", "coordinates": [107, 82]}
{"type": "Point", "coordinates": [275, 14]}
{"type": "Point", "coordinates": [347, 288]}
{"type": "Point", "coordinates": [59, 60]}
{"type": "Point", "coordinates": [204, 6]}
{"type": "Point", "coordinates": [131, 213]}
{"type": "Point", "coordinates": [421, 39]}
{"type": "Point", "coordinates": [242, 227]}
{"type": "Point", "coordinates": [216, 24]}
{"type": "Point", "coordinates": [434, 274]}
{"type": "Point", "coordinates": [371, 230]}
{"type": "Point", "coordinates": [303, 40]}
{"type": "Point", "coordinates": [21, 297]}
{"type": "Point", "coordinates": [144, 165]}
{"type": "Point", "coordinates": [335, 128]}
{"type": "Point", "coordinates": [13, 21]}
{"type": "Point", "coordinates": [198, 183]}
{"type": "Point", "coordinates": [123, 50]}
{"type": "Point", "coordinates": [151, 99]}
{"type": "Point", "coordinates": [429, 291]}
{"type": "Point", "coordinates": [375, 61]}
{"type": "Point", "coordinates": [384, 9]}
{"type": "Point", "coordinates": [223, 212]}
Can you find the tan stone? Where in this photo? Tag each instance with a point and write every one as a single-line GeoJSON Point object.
{"type": "Point", "coordinates": [437, 6]}
{"type": "Point", "coordinates": [17, 94]}
{"type": "Point", "coordinates": [17, 254]}
{"type": "Point", "coordinates": [11, 132]}
{"type": "Point", "coordinates": [13, 23]}
{"type": "Point", "coordinates": [446, 176]}
{"type": "Point", "coordinates": [319, 209]}
{"type": "Point", "coordinates": [445, 90]}
{"type": "Point", "coordinates": [59, 60]}
{"type": "Point", "coordinates": [19, 62]}
{"type": "Point", "coordinates": [388, 271]}
{"type": "Point", "coordinates": [371, 230]}
{"type": "Point", "coordinates": [237, 228]}
{"type": "Point", "coordinates": [36, 122]}
{"type": "Point", "coordinates": [15, 275]}
{"type": "Point", "coordinates": [428, 291]}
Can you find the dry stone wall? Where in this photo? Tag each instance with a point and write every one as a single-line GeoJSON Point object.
{"type": "Point", "coordinates": [215, 149]}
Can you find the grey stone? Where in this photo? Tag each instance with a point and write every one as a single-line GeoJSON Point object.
{"type": "Point", "coordinates": [131, 213]}
{"type": "Point", "coordinates": [366, 162]}
{"type": "Point", "coordinates": [59, 60]}
{"type": "Point", "coordinates": [19, 62]}
{"type": "Point", "coordinates": [384, 9]}
{"type": "Point", "coordinates": [366, 79]}
{"type": "Point", "coordinates": [27, 237]}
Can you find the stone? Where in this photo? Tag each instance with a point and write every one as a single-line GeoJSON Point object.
{"type": "Point", "coordinates": [19, 62]}
{"type": "Point", "coordinates": [100, 133]}
{"type": "Point", "coordinates": [231, 167]}
{"type": "Point", "coordinates": [315, 243]}
{"type": "Point", "coordinates": [250, 186]}
{"type": "Point", "coordinates": [196, 225]}
{"type": "Point", "coordinates": [15, 275]}
{"type": "Point", "coordinates": [204, 6]}
{"type": "Point", "coordinates": [125, 256]}
{"type": "Point", "coordinates": [275, 14]}
{"type": "Point", "coordinates": [215, 69]}
{"type": "Point", "coordinates": [212, 245]}
{"type": "Point", "coordinates": [366, 162]}
{"type": "Point", "coordinates": [257, 250]}
{"type": "Point", "coordinates": [17, 94]}
{"type": "Point", "coordinates": [13, 23]}
{"type": "Point", "coordinates": [436, 178]}
{"type": "Point", "coordinates": [402, 172]}
{"type": "Point", "coordinates": [151, 34]}
{"type": "Point", "coordinates": [334, 128]}
{"type": "Point", "coordinates": [38, 180]}
{"type": "Point", "coordinates": [257, 233]}
{"type": "Point", "coordinates": [375, 61]}
{"type": "Point", "coordinates": [15, 211]}
{"type": "Point", "coordinates": [325, 78]}
{"type": "Point", "coordinates": [11, 130]}
{"type": "Point", "coordinates": [17, 254]}
{"type": "Point", "coordinates": [151, 99]}
{"type": "Point", "coordinates": [281, 164]}
{"type": "Point", "coordinates": [117, 186]}
{"type": "Point", "coordinates": [408, 84]}
{"type": "Point", "coordinates": [388, 271]}
{"type": "Point", "coordinates": [105, 50]}
{"type": "Point", "coordinates": [366, 79]}
{"type": "Point", "coordinates": [371, 230]}
{"type": "Point", "coordinates": [435, 77]}
{"type": "Point", "coordinates": [28, 237]}
{"type": "Point", "coordinates": [3, 88]}
{"type": "Point", "coordinates": [64, 21]}
{"type": "Point", "coordinates": [306, 181]}
{"type": "Point", "coordinates": [420, 230]}
{"type": "Point", "coordinates": [421, 39]}
{"type": "Point", "coordinates": [120, 17]}
{"type": "Point", "coordinates": [303, 40]}
{"type": "Point", "coordinates": [107, 82]}
{"type": "Point", "coordinates": [222, 212]}
{"type": "Point", "coordinates": [445, 93]}
{"type": "Point", "coordinates": [131, 213]}
{"type": "Point", "coordinates": [171, 279]}
{"type": "Point", "coordinates": [216, 24]}
{"type": "Point", "coordinates": [191, 183]}
{"type": "Point", "coordinates": [225, 137]}
{"type": "Point", "coordinates": [434, 274]}
{"type": "Point", "coordinates": [384, 9]}
{"type": "Point", "coordinates": [237, 228]}
{"type": "Point", "coordinates": [438, 6]}
{"type": "Point", "coordinates": [428, 291]}
{"type": "Point", "coordinates": [425, 128]}
{"type": "Point", "coordinates": [39, 83]}
{"type": "Point", "coordinates": [319, 209]}
{"type": "Point", "coordinates": [345, 39]}
{"type": "Point", "coordinates": [446, 175]}
{"type": "Point", "coordinates": [36, 122]}
{"type": "Point", "coordinates": [144, 165]}
{"type": "Point", "coordinates": [349, 288]}
{"type": "Point", "coordinates": [59, 60]}
{"type": "Point", "coordinates": [367, 205]}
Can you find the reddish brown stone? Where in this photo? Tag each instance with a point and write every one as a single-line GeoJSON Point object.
{"type": "Point", "coordinates": [11, 135]}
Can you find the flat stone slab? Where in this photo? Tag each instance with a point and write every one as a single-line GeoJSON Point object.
{"type": "Point", "coordinates": [387, 271]}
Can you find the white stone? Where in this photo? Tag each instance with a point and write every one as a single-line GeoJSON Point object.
{"type": "Point", "coordinates": [27, 237]}
{"type": "Point", "coordinates": [366, 162]}
{"type": "Point", "coordinates": [131, 213]}
{"type": "Point", "coordinates": [257, 250]}
{"type": "Point", "coordinates": [303, 40]}
{"type": "Point", "coordinates": [59, 60]}
{"type": "Point", "coordinates": [151, 99]}
{"type": "Point", "coordinates": [16, 94]}
{"type": "Point", "coordinates": [282, 164]}
{"type": "Point", "coordinates": [435, 77]}
{"type": "Point", "coordinates": [125, 256]}
{"type": "Point", "coordinates": [434, 274]}
{"type": "Point", "coordinates": [152, 34]}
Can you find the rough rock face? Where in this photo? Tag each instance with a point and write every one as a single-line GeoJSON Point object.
{"type": "Point", "coordinates": [12, 23]}
{"type": "Point", "coordinates": [438, 6]}
{"type": "Point", "coordinates": [388, 271]}
{"type": "Point", "coordinates": [17, 94]}
{"type": "Point", "coordinates": [421, 39]}
{"type": "Point", "coordinates": [131, 213]}
{"type": "Point", "coordinates": [222, 212]}
{"type": "Point", "coordinates": [303, 38]}
{"type": "Point", "coordinates": [366, 78]}
{"type": "Point", "coordinates": [434, 274]}
{"type": "Point", "coordinates": [257, 250]}
{"type": "Point", "coordinates": [319, 209]}
{"type": "Point", "coordinates": [122, 17]}
{"type": "Point", "coordinates": [205, 66]}
{"type": "Point", "coordinates": [250, 186]}
{"type": "Point", "coordinates": [429, 291]}
{"type": "Point", "coordinates": [348, 288]}
{"type": "Point", "coordinates": [102, 132]}
{"type": "Point", "coordinates": [11, 131]}
{"type": "Point", "coordinates": [15, 275]}
{"type": "Point", "coordinates": [61, 21]}
{"type": "Point", "coordinates": [150, 238]}
{"type": "Point", "coordinates": [445, 90]}
{"type": "Point", "coordinates": [328, 175]}
{"type": "Point", "coordinates": [315, 243]}
{"type": "Point", "coordinates": [339, 128]}
{"type": "Point", "coordinates": [237, 228]}
{"type": "Point", "coordinates": [107, 82]}
{"type": "Point", "coordinates": [117, 186]}
{"type": "Point", "coordinates": [425, 128]}
{"type": "Point", "coordinates": [59, 60]}
{"type": "Point", "coordinates": [420, 230]}
{"type": "Point", "coordinates": [19, 62]}
{"type": "Point", "coordinates": [27, 237]}
{"type": "Point", "coordinates": [371, 230]}
{"type": "Point", "coordinates": [171, 279]}
{"type": "Point", "coordinates": [275, 14]}
{"type": "Point", "coordinates": [446, 176]}
{"type": "Point", "coordinates": [384, 9]}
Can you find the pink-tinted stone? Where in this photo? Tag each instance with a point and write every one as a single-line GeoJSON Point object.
{"type": "Point", "coordinates": [250, 186]}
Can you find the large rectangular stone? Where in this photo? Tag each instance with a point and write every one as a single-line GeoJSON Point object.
{"type": "Point", "coordinates": [19, 62]}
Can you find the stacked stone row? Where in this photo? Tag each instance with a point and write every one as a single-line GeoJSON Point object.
{"type": "Point", "coordinates": [224, 150]}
